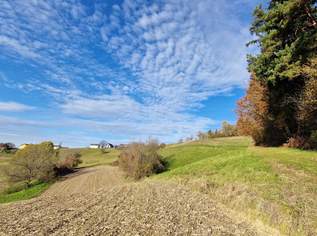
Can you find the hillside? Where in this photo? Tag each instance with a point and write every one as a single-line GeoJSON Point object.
{"type": "Point", "coordinates": [276, 185]}
{"type": "Point", "coordinates": [93, 157]}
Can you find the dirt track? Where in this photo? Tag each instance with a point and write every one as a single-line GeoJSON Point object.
{"type": "Point", "coordinates": [99, 202]}
{"type": "Point", "coordinates": [87, 181]}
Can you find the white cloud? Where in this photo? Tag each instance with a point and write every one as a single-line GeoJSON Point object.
{"type": "Point", "coordinates": [103, 106]}
{"type": "Point", "coordinates": [121, 116]}
{"type": "Point", "coordinates": [156, 63]}
{"type": "Point", "coordinates": [176, 47]}
{"type": "Point", "coordinates": [15, 107]}
{"type": "Point", "coordinates": [54, 36]}
{"type": "Point", "coordinates": [17, 47]}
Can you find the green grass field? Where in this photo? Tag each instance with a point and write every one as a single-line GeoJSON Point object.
{"type": "Point", "coordinates": [24, 194]}
{"type": "Point", "coordinates": [277, 185]}
{"type": "Point", "coordinates": [93, 157]}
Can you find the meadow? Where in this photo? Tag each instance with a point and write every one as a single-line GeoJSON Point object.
{"type": "Point", "coordinates": [276, 185]}
{"type": "Point", "coordinates": [93, 157]}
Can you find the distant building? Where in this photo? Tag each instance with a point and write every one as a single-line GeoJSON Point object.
{"type": "Point", "coordinates": [101, 145]}
{"type": "Point", "coordinates": [57, 147]}
{"type": "Point", "coordinates": [7, 146]}
{"type": "Point", "coordinates": [22, 146]}
{"type": "Point", "coordinates": [105, 145]}
{"type": "Point", "coordinates": [94, 146]}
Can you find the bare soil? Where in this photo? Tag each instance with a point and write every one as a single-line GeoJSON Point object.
{"type": "Point", "coordinates": [99, 201]}
{"type": "Point", "coordinates": [87, 180]}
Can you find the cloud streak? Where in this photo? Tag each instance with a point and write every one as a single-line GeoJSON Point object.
{"type": "Point", "coordinates": [14, 107]}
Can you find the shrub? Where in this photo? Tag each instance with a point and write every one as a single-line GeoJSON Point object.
{"type": "Point", "coordinates": [303, 142]}
{"type": "Point", "coordinates": [297, 142]}
{"type": "Point", "coordinates": [34, 162]}
{"type": "Point", "coordinates": [7, 147]}
{"type": "Point", "coordinates": [313, 139]}
{"type": "Point", "coordinates": [67, 164]}
{"type": "Point", "coordinates": [139, 160]}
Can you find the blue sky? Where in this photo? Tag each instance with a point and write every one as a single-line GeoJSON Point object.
{"type": "Point", "coordinates": [78, 72]}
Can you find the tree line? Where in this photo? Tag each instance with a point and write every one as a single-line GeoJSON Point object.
{"type": "Point", "coordinates": [226, 130]}
{"type": "Point", "coordinates": [280, 105]}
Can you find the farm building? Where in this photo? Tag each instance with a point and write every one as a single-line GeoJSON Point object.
{"type": "Point", "coordinates": [101, 145]}
{"type": "Point", "coordinates": [57, 147]}
{"type": "Point", "coordinates": [22, 146]}
{"type": "Point", "coordinates": [94, 146]}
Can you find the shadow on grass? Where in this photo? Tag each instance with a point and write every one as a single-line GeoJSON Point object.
{"type": "Point", "coordinates": [166, 161]}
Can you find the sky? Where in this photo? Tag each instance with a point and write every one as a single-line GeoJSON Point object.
{"type": "Point", "coordinates": [78, 72]}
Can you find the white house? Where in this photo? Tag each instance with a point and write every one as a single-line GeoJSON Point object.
{"type": "Point", "coordinates": [94, 146]}
{"type": "Point", "coordinates": [105, 145]}
{"type": "Point", "coordinates": [57, 147]}
{"type": "Point", "coordinates": [22, 146]}
{"type": "Point", "coordinates": [101, 145]}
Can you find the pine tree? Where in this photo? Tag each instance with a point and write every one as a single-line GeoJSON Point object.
{"type": "Point", "coordinates": [286, 33]}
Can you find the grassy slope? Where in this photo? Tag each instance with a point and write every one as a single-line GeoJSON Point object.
{"type": "Point", "coordinates": [24, 194]}
{"type": "Point", "coordinates": [278, 185]}
{"type": "Point", "coordinates": [93, 157]}
{"type": "Point", "coordinates": [4, 160]}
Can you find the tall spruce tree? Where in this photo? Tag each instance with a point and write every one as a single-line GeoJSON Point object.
{"type": "Point", "coordinates": [286, 32]}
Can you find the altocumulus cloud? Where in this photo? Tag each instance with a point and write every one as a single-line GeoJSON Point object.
{"type": "Point", "coordinates": [14, 107]}
{"type": "Point", "coordinates": [138, 67]}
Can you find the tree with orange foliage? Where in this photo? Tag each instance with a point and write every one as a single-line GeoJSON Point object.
{"type": "Point", "coordinates": [253, 112]}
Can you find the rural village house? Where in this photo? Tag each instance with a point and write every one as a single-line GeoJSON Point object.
{"type": "Point", "coordinates": [101, 145]}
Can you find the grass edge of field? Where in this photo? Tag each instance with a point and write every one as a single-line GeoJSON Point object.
{"type": "Point", "coordinates": [25, 194]}
{"type": "Point", "coordinates": [93, 159]}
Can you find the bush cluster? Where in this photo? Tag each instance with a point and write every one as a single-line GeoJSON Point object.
{"type": "Point", "coordinates": [68, 163]}
{"type": "Point", "coordinates": [7, 147]}
{"type": "Point", "coordinates": [140, 160]}
{"type": "Point", "coordinates": [39, 162]}
{"type": "Point", "coordinates": [301, 142]}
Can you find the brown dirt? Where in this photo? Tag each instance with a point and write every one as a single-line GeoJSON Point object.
{"type": "Point", "coordinates": [99, 201]}
{"type": "Point", "coordinates": [87, 180]}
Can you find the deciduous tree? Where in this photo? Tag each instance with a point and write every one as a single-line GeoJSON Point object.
{"type": "Point", "coordinates": [286, 33]}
